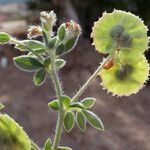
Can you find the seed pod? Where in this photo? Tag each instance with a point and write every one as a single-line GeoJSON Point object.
{"type": "Point", "coordinates": [120, 29]}
{"type": "Point", "coordinates": [12, 136]}
{"type": "Point", "coordinates": [126, 76]}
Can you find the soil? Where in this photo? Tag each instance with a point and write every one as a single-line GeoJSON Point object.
{"type": "Point", "coordinates": [126, 119]}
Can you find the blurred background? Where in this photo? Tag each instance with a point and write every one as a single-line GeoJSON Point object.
{"type": "Point", "coordinates": [127, 119]}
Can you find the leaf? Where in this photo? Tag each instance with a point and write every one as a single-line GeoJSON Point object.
{"type": "Point", "coordinates": [54, 104]}
{"type": "Point", "coordinates": [60, 49]}
{"type": "Point", "coordinates": [60, 63]}
{"type": "Point", "coordinates": [70, 44]}
{"type": "Point", "coordinates": [52, 42]}
{"type": "Point", "coordinates": [61, 32]}
{"type": "Point", "coordinates": [77, 105]}
{"type": "Point", "coordinates": [88, 102]}
{"type": "Point", "coordinates": [63, 148]}
{"type": "Point", "coordinates": [27, 63]}
{"type": "Point", "coordinates": [48, 145]}
{"type": "Point", "coordinates": [38, 51]}
{"type": "Point", "coordinates": [45, 25]}
{"type": "Point", "coordinates": [69, 121]}
{"type": "Point", "coordinates": [4, 37]}
{"type": "Point", "coordinates": [39, 77]}
{"type": "Point", "coordinates": [66, 101]}
{"type": "Point", "coordinates": [31, 44]}
{"type": "Point", "coordinates": [80, 120]}
{"type": "Point", "coordinates": [1, 106]}
{"type": "Point", "coordinates": [47, 62]}
{"type": "Point", "coordinates": [93, 119]}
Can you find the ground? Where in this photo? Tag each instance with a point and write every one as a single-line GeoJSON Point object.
{"type": "Point", "coordinates": [126, 119]}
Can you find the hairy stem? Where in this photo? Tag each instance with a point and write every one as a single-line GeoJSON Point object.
{"type": "Point", "coordinates": [58, 90]}
{"type": "Point", "coordinates": [87, 83]}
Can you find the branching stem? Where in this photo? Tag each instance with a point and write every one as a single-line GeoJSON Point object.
{"type": "Point", "coordinates": [84, 87]}
{"type": "Point", "coordinates": [59, 93]}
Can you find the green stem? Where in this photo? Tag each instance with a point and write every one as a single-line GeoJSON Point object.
{"type": "Point", "coordinates": [34, 145]}
{"type": "Point", "coordinates": [87, 83]}
{"type": "Point", "coordinates": [58, 90]}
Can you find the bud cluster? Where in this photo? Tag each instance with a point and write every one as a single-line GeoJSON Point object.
{"type": "Point", "coordinates": [73, 29]}
{"type": "Point", "coordinates": [48, 20]}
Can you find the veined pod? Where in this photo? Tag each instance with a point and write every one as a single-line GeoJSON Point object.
{"type": "Point", "coordinates": [126, 77]}
{"type": "Point", "coordinates": [122, 30]}
{"type": "Point", "coordinates": [12, 136]}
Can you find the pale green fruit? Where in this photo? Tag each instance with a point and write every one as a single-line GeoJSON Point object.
{"type": "Point", "coordinates": [120, 30]}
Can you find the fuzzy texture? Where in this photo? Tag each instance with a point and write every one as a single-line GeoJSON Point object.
{"type": "Point", "coordinates": [12, 136]}
{"type": "Point", "coordinates": [128, 81]}
{"type": "Point", "coordinates": [120, 30]}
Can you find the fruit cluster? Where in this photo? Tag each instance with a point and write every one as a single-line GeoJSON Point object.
{"type": "Point", "coordinates": [123, 36]}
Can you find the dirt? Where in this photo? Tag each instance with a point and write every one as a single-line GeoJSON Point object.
{"type": "Point", "coordinates": [126, 119]}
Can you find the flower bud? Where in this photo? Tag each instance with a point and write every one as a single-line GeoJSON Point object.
{"type": "Point", "coordinates": [48, 20]}
{"type": "Point", "coordinates": [34, 31]}
{"type": "Point", "coordinates": [73, 29]}
{"type": "Point", "coordinates": [68, 34]}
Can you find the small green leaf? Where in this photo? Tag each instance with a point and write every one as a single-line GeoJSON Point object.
{"type": "Point", "coordinates": [39, 77]}
{"type": "Point", "coordinates": [47, 62]}
{"type": "Point", "coordinates": [54, 105]}
{"type": "Point", "coordinates": [77, 105]}
{"type": "Point", "coordinates": [93, 119]}
{"type": "Point", "coordinates": [60, 63]}
{"type": "Point", "coordinates": [70, 44]}
{"type": "Point", "coordinates": [4, 37]}
{"type": "Point", "coordinates": [1, 106]}
{"type": "Point", "coordinates": [81, 122]}
{"type": "Point", "coordinates": [48, 145]}
{"type": "Point", "coordinates": [88, 102]}
{"type": "Point", "coordinates": [31, 44]}
{"type": "Point", "coordinates": [52, 42]}
{"type": "Point", "coordinates": [69, 121]}
{"type": "Point", "coordinates": [63, 148]}
{"type": "Point", "coordinates": [60, 49]}
{"type": "Point", "coordinates": [45, 38]}
{"type": "Point", "coordinates": [27, 63]}
{"type": "Point", "coordinates": [66, 101]}
{"type": "Point", "coordinates": [61, 32]}
{"type": "Point", "coordinates": [38, 51]}
{"type": "Point", "coordinates": [45, 25]}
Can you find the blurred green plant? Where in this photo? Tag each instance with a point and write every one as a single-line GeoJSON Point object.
{"type": "Point", "coordinates": [121, 35]}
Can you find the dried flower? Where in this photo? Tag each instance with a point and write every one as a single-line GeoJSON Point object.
{"type": "Point", "coordinates": [49, 18]}
{"type": "Point", "coordinates": [73, 29]}
{"type": "Point", "coordinates": [34, 31]}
